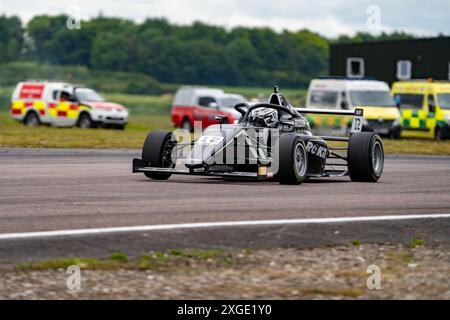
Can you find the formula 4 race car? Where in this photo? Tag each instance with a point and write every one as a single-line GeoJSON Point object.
{"type": "Point", "coordinates": [271, 141]}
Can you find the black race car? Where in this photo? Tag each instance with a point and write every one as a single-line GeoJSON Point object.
{"type": "Point", "coordinates": [271, 141]}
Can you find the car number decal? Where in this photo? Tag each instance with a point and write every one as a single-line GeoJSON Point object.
{"type": "Point", "coordinates": [357, 124]}
{"type": "Point", "coordinates": [209, 140]}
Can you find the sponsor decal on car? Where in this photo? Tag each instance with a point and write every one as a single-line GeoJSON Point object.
{"type": "Point", "coordinates": [317, 150]}
{"type": "Point", "coordinates": [209, 140]}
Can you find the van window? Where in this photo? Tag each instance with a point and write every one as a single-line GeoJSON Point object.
{"type": "Point", "coordinates": [230, 102]}
{"type": "Point", "coordinates": [404, 69]}
{"type": "Point", "coordinates": [323, 99]}
{"type": "Point", "coordinates": [410, 101]}
{"type": "Point", "coordinates": [55, 94]}
{"type": "Point", "coordinates": [444, 100]}
{"type": "Point", "coordinates": [355, 67]}
{"type": "Point", "coordinates": [86, 94]}
{"type": "Point", "coordinates": [344, 101]}
{"type": "Point", "coordinates": [371, 98]}
{"type": "Point", "coordinates": [206, 101]}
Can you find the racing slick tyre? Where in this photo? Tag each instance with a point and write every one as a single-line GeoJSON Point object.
{"type": "Point", "coordinates": [85, 121]}
{"type": "Point", "coordinates": [32, 120]}
{"type": "Point", "coordinates": [157, 150]}
{"type": "Point", "coordinates": [365, 157]}
{"type": "Point", "coordinates": [293, 160]}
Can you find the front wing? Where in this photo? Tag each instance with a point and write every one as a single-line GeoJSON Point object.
{"type": "Point", "coordinates": [140, 165]}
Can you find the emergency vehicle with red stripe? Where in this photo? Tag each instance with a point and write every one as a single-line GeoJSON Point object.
{"type": "Point", "coordinates": [64, 104]}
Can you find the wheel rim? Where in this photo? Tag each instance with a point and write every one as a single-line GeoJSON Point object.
{"type": "Point", "coordinates": [300, 160]}
{"type": "Point", "coordinates": [85, 123]}
{"type": "Point", "coordinates": [438, 135]}
{"type": "Point", "coordinates": [167, 161]}
{"type": "Point", "coordinates": [377, 158]}
{"type": "Point", "coordinates": [32, 121]}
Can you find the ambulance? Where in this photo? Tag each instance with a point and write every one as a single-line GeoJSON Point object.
{"type": "Point", "coordinates": [63, 104]}
{"type": "Point", "coordinates": [425, 108]}
{"type": "Point", "coordinates": [381, 114]}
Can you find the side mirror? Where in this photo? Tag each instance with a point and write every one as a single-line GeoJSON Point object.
{"type": "Point", "coordinates": [213, 105]}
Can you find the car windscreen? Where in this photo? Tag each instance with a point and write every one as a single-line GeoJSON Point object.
{"type": "Point", "coordinates": [444, 100]}
{"type": "Point", "coordinates": [371, 98]}
{"type": "Point", "coordinates": [323, 99]}
{"type": "Point", "coordinates": [84, 94]}
{"type": "Point", "coordinates": [410, 101]}
{"type": "Point", "coordinates": [230, 102]}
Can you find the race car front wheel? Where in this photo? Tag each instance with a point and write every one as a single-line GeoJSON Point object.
{"type": "Point", "coordinates": [293, 160]}
{"type": "Point", "coordinates": [157, 150]}
{"type": "Point", "coordinates": [365, 157]}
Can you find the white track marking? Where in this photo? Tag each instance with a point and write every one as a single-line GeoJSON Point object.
{"type": "Point", "coordinates": [202, 225]}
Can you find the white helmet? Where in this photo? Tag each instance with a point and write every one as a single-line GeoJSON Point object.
{"type": "Point", "coordinates": [265, 117]}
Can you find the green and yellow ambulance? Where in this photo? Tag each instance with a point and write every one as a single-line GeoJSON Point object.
{"type": "Point", "coordinates": [425, 108]}
{"type": "Point", "coordinates": [381, 114]}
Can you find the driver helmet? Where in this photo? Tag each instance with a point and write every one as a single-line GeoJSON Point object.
{"type": "Point", "coordinates": [265, 117]}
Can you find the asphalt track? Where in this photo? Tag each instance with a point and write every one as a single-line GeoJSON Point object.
{"type": "Point", "coordinates": [57, 190]}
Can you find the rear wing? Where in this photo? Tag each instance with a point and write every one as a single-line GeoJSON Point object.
{"type": "Point", "coordinates": [357, 121]}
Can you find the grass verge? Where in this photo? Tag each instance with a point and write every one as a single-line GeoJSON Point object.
{"type": "Point", "coordinates": [13, 134]}
{"type": "Point", "coordinates": [171, 260]}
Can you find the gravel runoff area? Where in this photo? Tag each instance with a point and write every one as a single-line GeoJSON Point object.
{"type": "Point", "coordinates": [407, 272]}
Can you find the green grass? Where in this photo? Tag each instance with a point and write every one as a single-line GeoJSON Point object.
{"type": "Point", "coordinates": [143, 104]}
{"type": "Point", "coordinates": [413, 146]}
{"type": "Point", "coordinates": [105, 81]}
{"type": "Point", "coordinates": [5, 98]}
{"type": "Point", "coordinates": [13, 134]}
{"type": "Point", "coordinates": [149, 112]}
{"type": "Point", "coordinates": [171, 260]}
{"type": "Point", "coordinates": [356, 243]}
{"type": "Point", "coordinates": [416, 242]}
{"type": "Point", "coordinates": [417, 146]}
{"type": "Point", "coordinates": [136, 104]}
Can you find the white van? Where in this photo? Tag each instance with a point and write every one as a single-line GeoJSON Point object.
{"type": "Point", "coordinates": [380, 111]}
{"type": "Point", "coordinates": [64, 105]}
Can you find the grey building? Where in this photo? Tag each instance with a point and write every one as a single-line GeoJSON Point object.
{"type": "Point", "coordinates": [393, 60]}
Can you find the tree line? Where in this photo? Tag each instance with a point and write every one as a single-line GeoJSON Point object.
{"type": "Point", "coordinates": [194, 54]}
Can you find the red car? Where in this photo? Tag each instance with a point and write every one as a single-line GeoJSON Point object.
{"type": "Point", "coordinates": [201, 105]}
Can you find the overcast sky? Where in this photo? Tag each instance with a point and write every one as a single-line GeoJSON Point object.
{"type": "Point", "coordinates": [328, 17]}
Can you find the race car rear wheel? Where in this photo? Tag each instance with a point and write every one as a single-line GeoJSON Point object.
{"type": "Point", "coordinates": [365, 157]}
{"type": "Point", "coordinates": [157, 150]}
{"type": "Point", "coordinates": [293, 160]}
